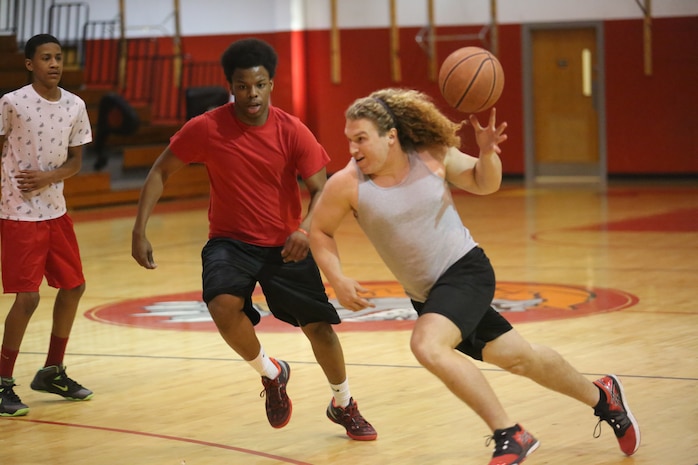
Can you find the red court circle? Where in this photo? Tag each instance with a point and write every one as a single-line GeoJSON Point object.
{"type": "Point", "coordinates": [519, 302]}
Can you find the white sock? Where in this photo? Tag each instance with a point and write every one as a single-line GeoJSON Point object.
{"type": "Point", "coordinates": [341, 393]}
{"type": "Point", "coordinates": [264, 365]}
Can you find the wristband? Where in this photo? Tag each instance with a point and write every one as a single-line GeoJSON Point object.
{"type": "Point", "coordinates": [303, 231]}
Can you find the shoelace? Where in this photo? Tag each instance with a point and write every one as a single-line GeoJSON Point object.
{"type": "Point", "coordinates": [503, 444]}
{"type": "Point", "coordinates": [350, 416]}
{"type": "Point", "coordinates": [8, 393]}
{"type": "Point", "coordinates": [277, 400]}
{"type": "Point", "coordinates": [618, 421]}
{"type": "Point", "coordinates": [500, 445]}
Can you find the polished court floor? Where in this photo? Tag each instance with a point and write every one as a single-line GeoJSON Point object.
{"type": "Point", "coordinates": [607, 278]}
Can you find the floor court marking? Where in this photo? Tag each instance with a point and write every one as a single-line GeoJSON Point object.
{"type": "Point", "coordinates": [348, 364]}
{"type": "Point", "coordinates": [166, 437]}
{"type": "Point", "coordinates": [520, 302]}
{"type": "Point", "coordinates": [684, 220]}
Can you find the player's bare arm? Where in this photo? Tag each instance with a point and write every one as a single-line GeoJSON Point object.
{"type": "Point", "coordinates": [337, 200]}
{"type": "Point", "coordinates": [31, 180]}
{"type": "Point", "coordinates": [478, 175]}
{"type": "Point", "coordinates": [298, 244]}
{"type": "Point", "coordinates": [166, 164]}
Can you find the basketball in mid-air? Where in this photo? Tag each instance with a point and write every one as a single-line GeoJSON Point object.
{"type": "Point", "coordinates": [471, 79]}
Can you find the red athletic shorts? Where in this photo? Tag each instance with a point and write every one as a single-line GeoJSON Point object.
{"type": "Point", "coordinates": [33, 249]}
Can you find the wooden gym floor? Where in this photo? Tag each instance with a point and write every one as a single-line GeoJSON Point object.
{"type": "Point", "coordinates": [607, 279]}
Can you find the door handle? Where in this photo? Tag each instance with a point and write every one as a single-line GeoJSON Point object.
{"type": "Point", "coordinates": [586, 72]}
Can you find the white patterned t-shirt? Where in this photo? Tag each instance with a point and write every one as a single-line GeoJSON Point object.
{"type": "Point", "coordinates": [38, 133]}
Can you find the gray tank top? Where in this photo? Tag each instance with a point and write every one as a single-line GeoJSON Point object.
{"type": "Point", "coordinates": [414, 227]}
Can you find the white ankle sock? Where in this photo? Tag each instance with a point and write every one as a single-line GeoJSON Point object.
{"type": "Point", "coordinates": [341, 393]}
{"type": "Point", "coordinates": [264, 365]}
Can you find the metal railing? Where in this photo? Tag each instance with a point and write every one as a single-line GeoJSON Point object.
{"type": "Point", "coordinates": [24, 18]}
{"type": "Point", "coordinates": [65, 21]}
{"type": "Point", "coordinates": [8, 19]}
{"type": "Point", "coordinates": [150, 74]}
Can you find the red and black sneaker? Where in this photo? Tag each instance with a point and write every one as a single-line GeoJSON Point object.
{"type": "Point", "coordinates": [278, 404]}
{"type": "Point", "coordinates": [356, 425]}
{"type": "Point", "coordinates": [614, 410]}
{"type": "Point", "coordinates": [512, 445]}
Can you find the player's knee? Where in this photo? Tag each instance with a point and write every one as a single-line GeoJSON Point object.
{"type": "Point", "coordinates": [517, 365]}
{"type": "Point", "coordinates": [321, 332]}
{"type": "Point", "coordinates": [322, 328]}
{"type": "Point", "coordinates": [425, 351]}
{"type": "Point", "coordinates": [226, 310]}
{"type": "Point", "coordinates": [78, 291]}
{"type": "Point", "coordinates": [26, 302]}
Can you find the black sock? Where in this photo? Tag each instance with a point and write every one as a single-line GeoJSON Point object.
{"type": "Point", "coordinates": [511, 429]}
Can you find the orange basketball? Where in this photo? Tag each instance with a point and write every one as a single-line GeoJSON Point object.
{"type": "Point", "coordinates": [471, 79]}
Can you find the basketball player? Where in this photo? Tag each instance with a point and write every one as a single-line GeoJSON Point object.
{"type": "Point", "coordinates": [42, 129]}
{"type": "Point", "coordinates": [253, 153]}
{"type": "Point", "coordinates": [397, 185]}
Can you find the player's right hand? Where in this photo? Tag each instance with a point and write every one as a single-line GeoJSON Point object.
{"type": "Point", "coordinates": [350, 295]}
{"type": "Point", "coordinates": [142, 252]}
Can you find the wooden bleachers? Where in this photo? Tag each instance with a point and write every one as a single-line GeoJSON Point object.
{"type": "Point", "coordinates": [136, 153]}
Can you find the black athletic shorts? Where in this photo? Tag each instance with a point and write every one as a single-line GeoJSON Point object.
{"type": "Point", "coordinates": [294, 291]}
{"type": "Point", "coordinates": [464, 295]}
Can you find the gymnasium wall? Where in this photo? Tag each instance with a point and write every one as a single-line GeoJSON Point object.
{"type": "Point", "coordinates": [651, 120]}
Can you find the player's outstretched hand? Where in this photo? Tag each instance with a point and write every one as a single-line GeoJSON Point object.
{"type": "Point", "coordinates": [489, 137]}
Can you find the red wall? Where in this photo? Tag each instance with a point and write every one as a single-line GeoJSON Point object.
{"type": "Point", "coordinates": [652, 121]}
{"type": "Point", "coordinates": [365, 65]}
{"type": "Point", "coordinates": [210, 48]}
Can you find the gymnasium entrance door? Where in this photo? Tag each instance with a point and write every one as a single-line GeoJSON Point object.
{"type": "Point", "coordinates": [563, 92]}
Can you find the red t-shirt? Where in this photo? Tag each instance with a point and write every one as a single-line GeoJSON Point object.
{"type": "Point", "coordinates": [253, 171]}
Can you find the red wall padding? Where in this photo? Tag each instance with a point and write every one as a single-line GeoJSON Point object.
{"type": "Point", "coordinates": [652, 121]}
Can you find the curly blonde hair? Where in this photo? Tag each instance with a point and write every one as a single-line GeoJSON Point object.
{"type": "Point", "coordinates": [413, 113]}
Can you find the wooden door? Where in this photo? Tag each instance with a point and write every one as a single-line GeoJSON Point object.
{"type": "Point", "coordinates": [565, 116]}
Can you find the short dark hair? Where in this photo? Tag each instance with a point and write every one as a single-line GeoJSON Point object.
{"type": "Point", "coordinates": [37, 41]}
{"type": "Point", "coordinates": [248, 53]}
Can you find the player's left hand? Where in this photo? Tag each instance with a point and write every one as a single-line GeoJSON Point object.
{"type": "Point", "coordinates": [489, 137]}
{"type": "Point", "coordinates": [31, 180]}
{"type": "Point", "coordinates": [296, 247]}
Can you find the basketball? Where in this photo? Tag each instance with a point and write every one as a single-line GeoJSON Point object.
{"type": "Point", "coordinates": [471, 79]}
